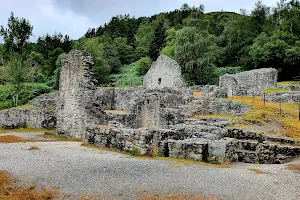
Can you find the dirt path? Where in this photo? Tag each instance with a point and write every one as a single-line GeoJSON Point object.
{"type": "Point", "coordinates": [78, 170]}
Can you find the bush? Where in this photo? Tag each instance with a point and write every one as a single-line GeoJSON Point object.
{"type": "Point", "coordinates": [135, 152]}
{"type": "Point", "coordinates": [143, 65]}
{"type": "Point", "coordinates": [28, 92]}
{"type": "Point", "coordinates": [169, 51]}
{"type": "Point", "coordinates": [228, 70]}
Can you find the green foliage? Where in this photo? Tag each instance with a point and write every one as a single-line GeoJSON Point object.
{"type": "Point", "coordinates": [128, 77]}
{"type": "Point", "coordinates": [169, 51]}
{"type": "Point", "coordinates": [143, 65]}
{"type": "Point", "coordinates": [95, 47]}
{"type": "Point", "coordinates": [28, 91]}
{"type": "Point", "coordinates": [158, 42]}
{"type": "Point", "coordinates": [135, 152]}
{"type": "Point", "coordinates": [17, 33]}
{"type": "Point", "coordinates": [144, 37]}
{"type": "Point", "coordinates": [196, 53]}
{"type": "Point", "coordinates": [228, 70]}
{"type": "Point", "coordinates": [278, 50]}
{"type": "Point", "coordinates": [124, 50]}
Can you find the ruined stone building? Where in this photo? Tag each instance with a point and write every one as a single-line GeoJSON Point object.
{"type": "Point", "coordinates": [161, 114]}
{"type": "Point", "coordinates": [165, 73]}
{"type": "Point", "coordinates": [249, 82]}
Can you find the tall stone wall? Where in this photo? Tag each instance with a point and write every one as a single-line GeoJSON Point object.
{"type": "Point", "coordinates": [165, 73]}
{"type": "Point", "coordinates": [76, 94]}
{"type": "Point", "coordinates": [249, 82]}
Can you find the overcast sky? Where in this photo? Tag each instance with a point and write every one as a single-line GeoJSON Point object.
{"type": "Point", "coordinates": [74, 17]}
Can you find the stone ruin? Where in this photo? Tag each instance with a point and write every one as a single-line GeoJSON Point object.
{"type": "Point", "coordinates": [253, 82]}
{"type": "Point", "coordinates": [160, 115]}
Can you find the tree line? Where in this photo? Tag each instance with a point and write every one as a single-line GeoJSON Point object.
{"type": "Point", "coordinates": [206, 45]}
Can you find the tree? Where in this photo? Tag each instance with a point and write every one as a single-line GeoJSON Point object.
{"type": "Point", "coordinates": [125, 51]}
{"type": "Point", "coordinates": [260, 16]}
{"type": "Point", "coordinates": [96, 48]}
{"type": "Point", "coordinates": [143, 38]}
{"type": "Point", "coordinates": [196, 53]}
{"type": "Point", "coordinates": [17, 72]}
{"type": "Point", "coordinates": [143, 65]}
{"type": "Point", "coordinates": [17, 34]}
{"type": "Point", "coordinates": [278, 50]}
{"type": "Point", "coordinates": [158, 42]}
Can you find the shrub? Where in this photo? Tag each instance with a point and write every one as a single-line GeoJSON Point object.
{"type": "Point", "coordinates": [135, 152]}
{"type": "Point", "coordinates": [228, 70]}
{"type": "Point", "coordinates": [143, 65]}
{"type": "Point", "coordinates": [169, 51]}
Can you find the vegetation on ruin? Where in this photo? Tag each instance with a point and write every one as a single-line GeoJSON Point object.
{"type": "Point", "coordinates": [206, 45]}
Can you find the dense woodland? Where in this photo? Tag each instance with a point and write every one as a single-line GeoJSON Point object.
{"type": "Point", "coordinates": [206, 45]}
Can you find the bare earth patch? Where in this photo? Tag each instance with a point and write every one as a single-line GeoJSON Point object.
{"type": "Point", "coordinates": [10, 139]}
{"type": "Point", "coordinates": [256, 170]}
{"type": "Point", "coordinates": [294, 167]}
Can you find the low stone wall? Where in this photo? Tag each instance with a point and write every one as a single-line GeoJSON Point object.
{"type": "Point", "coordinates": [199, 143]}
{"type": "Point", "coordinates": [40, 113]}
{"type": "Point", "coordinates": [286, 97]}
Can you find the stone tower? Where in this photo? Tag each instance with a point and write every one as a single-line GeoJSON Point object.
{"type": "Point", "coordinates": [76, 91]}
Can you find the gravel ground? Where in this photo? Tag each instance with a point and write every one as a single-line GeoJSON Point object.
{"type": "Point", "coordinates": [78, 170]}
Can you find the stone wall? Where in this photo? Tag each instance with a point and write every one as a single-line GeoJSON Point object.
{"type": "Point", "coordinates": [76, 95]}
{"type": "Point", "coordinates": [165, 73]}
{"type": "Point", "coordinates": [40, 113]}
{"type": "Point", "coordinates": [286, 97]}
{"type": "Point", "coordinates": [249, 82]}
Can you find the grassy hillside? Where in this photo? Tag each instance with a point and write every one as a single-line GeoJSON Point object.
{"type": "Point", "coordinates": [127, 77]}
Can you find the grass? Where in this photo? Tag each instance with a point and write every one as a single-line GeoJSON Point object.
{"type": "Point", "coordinates": [10, 139]}
{"type": "Point", "coordinates": [127, 77]}
{"type": "Point", "coordinates": [276, 90]}
{"type": "Point", "coordinates": [11, 190]}
{"type": "Point", "coordinates": [34, 149]}
{"type": "Point", "coordinates": [297, 83]}
{"type": "Point", "coordinates": [177, 197]}
{"type": "Point", "coordinates": [294, 167]}
{"type": "Point", "coordinates": [256, 170]}
{"type": "Point", "coordinates": [263, 114]}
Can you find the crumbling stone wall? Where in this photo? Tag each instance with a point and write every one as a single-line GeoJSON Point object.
{"type": "Point", "coordinates": [76, 94]}
{"type": "Point", "coordinates": [40, 113]}
{"type": "Point", "coordinates": [165, 73]}
{"type": "Point", "coordinates": [249, 82]}
{"type": "Point", "coordinates": [286, 97]}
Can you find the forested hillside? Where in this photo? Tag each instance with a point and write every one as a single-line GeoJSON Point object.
{"type": "Point", "coordinates": [206, 45]}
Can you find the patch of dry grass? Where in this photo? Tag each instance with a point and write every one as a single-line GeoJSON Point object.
{"type": "Point", "coordinates": [256, 170]}
{"type": "Point", "coordinates": [294, 167]}
{"type": "Point", "coordinates": [263, 114]}
{"type": "Point", "coordinates": [11, 190]}
{"type": "Point", "coordinates": [25, 130]}
{"type": "Point", "coordinates": [177, 197]}
{"type": "Point", "coordinates": [34, 149]}
{"type": "Point", "coordinates": [10, 139]}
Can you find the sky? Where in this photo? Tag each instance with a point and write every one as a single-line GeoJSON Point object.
{"type": "Point", "coordinates": [74, 17]}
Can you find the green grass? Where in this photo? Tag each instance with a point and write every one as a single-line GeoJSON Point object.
{"type": "Point", "coordinates": [286, 83]}
{"type": "Point", "coordinates": [276, 90]}
{"type": "Point", "coordinates": [128, 77]}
